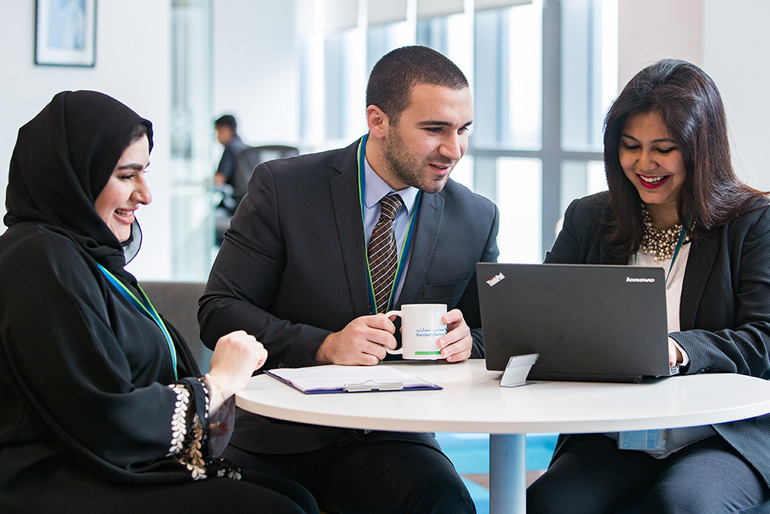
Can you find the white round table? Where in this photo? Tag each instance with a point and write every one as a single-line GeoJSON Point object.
{"type": "Point", "coordinates": [472, 401]}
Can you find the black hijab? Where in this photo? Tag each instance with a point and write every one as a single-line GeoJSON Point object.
{"type": "Point", "coordinates": [62, 160]}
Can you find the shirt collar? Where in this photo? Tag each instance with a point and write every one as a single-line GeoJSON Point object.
{"type": "Point", "coordinates": [376, 189]}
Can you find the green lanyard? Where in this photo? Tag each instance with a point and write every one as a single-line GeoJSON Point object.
{"type": "Point", "coordinates": [147, 308]}
{"type": "Point", "coordinates": [407, 240]}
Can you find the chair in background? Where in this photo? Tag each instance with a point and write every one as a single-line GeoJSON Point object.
{"type": "Point", "coordinates": [248, 159]}
{"type": "Point", "coordinates": [177, 302]}
{"type": "Point", "coordinates": [245, 162]}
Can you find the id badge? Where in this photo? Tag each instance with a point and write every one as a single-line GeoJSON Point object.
{"type": "Point", "coordinates": [644, 440]}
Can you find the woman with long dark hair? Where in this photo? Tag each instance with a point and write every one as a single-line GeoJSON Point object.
{"type": "Point", "coordinates": [675, 202]}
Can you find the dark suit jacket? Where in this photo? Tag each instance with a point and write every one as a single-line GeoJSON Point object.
{"type": "Point", "coordinates": [229, 157]}
{"type": "Point", "coordinates": [292, 270]}
{"type": "Point", "coordinates": [724, 312]}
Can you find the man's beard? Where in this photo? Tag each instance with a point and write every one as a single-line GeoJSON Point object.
{"type": "Point", "coordinates": [409, 169]}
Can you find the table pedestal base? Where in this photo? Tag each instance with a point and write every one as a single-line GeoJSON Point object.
{"type": "Point", "coordinates": [507, 474]}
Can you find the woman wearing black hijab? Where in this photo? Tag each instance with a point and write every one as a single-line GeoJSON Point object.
{"type": "Point", "coordinates": [103, 406]}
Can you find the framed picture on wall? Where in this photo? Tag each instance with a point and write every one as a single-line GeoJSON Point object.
{"type": "Point", "coordinates": [65, 32]}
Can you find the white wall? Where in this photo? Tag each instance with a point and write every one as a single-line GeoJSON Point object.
{"type": "Point", "coordinates": [132, 65]}
{"type": "Point", "coordinates": [735, 49]}
{"type": "Point", "coordinates": [649, 30]}
{"type": "Point", "coordinates": [256, 69]}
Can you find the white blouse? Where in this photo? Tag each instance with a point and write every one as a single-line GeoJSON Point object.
{"type": "Point", "coordinates": [676, 438]}
{"type": "Point", "coordinates": [674, 280]}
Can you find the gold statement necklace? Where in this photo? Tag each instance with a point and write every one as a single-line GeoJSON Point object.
{"type": "Point", "coordinates": [660, 242]}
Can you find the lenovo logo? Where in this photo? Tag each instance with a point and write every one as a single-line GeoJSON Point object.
{"type": "Point", "coordinates": [631, 279]}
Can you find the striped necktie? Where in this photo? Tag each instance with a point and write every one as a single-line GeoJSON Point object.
{"type": "Point", "coordinates": [382, 252]}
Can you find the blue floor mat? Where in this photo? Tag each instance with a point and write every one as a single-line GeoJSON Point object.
{"type": "Point", "coordinates": [470, 452]}
{"type": "Point", "coordinates": [479, 495]}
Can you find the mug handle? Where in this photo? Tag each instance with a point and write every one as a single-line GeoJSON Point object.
{"type": "Point", "coordinates": [398, 351]}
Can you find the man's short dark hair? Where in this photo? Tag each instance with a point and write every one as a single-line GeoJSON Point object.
{"type": "Point", "coordinates": [227, 120]}
{"type": "Point", "coordinates": [397, 72]}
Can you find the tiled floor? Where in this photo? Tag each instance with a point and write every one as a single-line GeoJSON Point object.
{"type": "Point", "coordinates": [470, 455]}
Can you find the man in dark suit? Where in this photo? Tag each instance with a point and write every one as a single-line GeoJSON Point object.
{"type": "Point", "coordinates": [293, 271]}
{"type": "Point", "coordinates": [227, 135]}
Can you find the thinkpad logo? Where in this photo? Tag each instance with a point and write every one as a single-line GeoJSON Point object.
{"type": "Point", "coordinates": [494, 280]}
{"type": "Point", "coordinates": [632, 279]}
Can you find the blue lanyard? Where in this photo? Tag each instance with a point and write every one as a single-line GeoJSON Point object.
{"type": "Point", "coordinates": [407, 240]}
{"type": "Point", "coordinates": [147, 308]}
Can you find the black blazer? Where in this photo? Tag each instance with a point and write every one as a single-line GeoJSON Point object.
{"type": "Point", "coordinates": [292, 268]}
{"type": "Point", "coordinates": [724, 312]}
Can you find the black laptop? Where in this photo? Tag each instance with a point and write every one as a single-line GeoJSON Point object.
{"type": "Point", "coordinates": [587, 322]}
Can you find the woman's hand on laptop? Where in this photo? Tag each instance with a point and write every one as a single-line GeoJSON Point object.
{"type": "Point", "coordinates": [676, 355]}
{"type": "Point", "coordinates": [457, 343]}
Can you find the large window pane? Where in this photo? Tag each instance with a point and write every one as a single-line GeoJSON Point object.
{"type": "Point", "coordinates": [581, 178]}
{"type": "Point", "coordinates": [433, 32]}
{"type": "Point", "coordinates": [381, 39]}
{"type": "Point", "coordinates": [451, 35]}
{"type": "Point", "coordinates": [463, 172]}
{"type": "Point", "coordinates": [508, 68]}
{"type": "Point", "coordinates": [337, 60]}
{"type": "Point", "coordinates": [525, 75]}
{"type": "Point", "coordinates": [597, 180]}
{"type": "Point", "coordinates": [307, 132]}
{"type": "Point", "coordinates": [192, 222]}
{"type": "Point", "coordinates": [589, 70]}
{"type": "Point", "coordinates": [519, 184]}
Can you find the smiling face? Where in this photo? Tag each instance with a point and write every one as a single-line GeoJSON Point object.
{"type": "Point", "coordinates": [125, 190]}
{"type": "Point", "coordinates": [652, 160]}
{"type": "Point", "coordinates": [425, 143]}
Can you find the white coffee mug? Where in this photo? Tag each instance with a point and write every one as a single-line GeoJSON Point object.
{"type": "Point", "coordinates": [421, 327]}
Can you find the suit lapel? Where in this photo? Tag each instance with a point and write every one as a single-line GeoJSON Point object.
{"type": "Point", "coordinates": [701, 260]}
{"type": "Point", "coordinates": [426, 234]}
{"type": "Point", "coordinates": [347, 213]}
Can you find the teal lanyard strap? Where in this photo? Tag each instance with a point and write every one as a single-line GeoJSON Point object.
{"type": "Point", "coordinates": [146, 308]}
{"type": "Point", "coordinates": [682, 235]}
{"type": "Point", "coordinates": [409, 233]}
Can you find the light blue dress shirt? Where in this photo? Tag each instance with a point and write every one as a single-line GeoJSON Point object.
{"type": "Point", "coordinates": [375, 189]}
